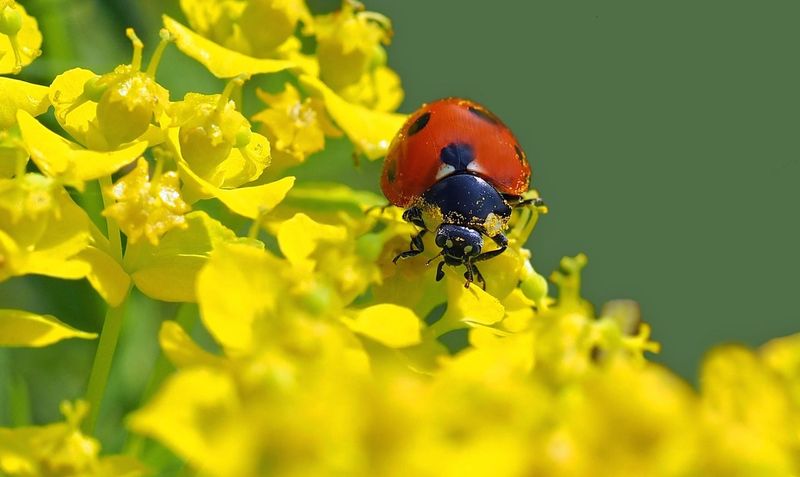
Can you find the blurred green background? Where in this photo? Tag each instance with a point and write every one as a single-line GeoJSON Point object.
{"type": "Point", "coordinates": [663, 136]}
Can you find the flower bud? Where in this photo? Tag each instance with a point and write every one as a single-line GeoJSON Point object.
{"type": "Point", "coordinates": [243, 137]}
{"type": "Point", "coordinates": [94, 88]}
{"type": "Point", "coordinates": [10, 21]}
{"type": "Point", "coordinates": [534, 286]}
{"type": "Point", "coordinates": [126, 108]}
{"type": "Point", "coordinates": [281, 17]}
{"type": "Point", "coordinates": [348, 44]}
{"type": "Point", "coordinates": [210, 127]}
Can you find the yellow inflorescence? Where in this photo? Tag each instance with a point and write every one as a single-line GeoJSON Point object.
{"type": "Point", "coordinates": [328, 358]}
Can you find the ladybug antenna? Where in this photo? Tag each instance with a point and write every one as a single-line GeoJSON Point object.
{"type": "Point", "coordinates": [434, 257]}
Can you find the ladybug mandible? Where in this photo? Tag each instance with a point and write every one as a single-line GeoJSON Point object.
{"type": "Point", "coordinates": [458, 171]}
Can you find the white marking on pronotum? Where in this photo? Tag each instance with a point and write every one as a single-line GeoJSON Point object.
{"type": "Point", "coordinates": [444, 171]}
{"type": "Point", "coordinates": [474, 167]}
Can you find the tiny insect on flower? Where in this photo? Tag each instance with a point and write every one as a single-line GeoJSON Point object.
{"type": "Point", "coordinates": [460, 171]}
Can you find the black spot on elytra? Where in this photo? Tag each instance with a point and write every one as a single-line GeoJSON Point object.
{"type": "Point", "coordinates": [458, 155]}
{"type": "Point", "coordinates": [419, 124]}
{"type": "Point", "coordinates": [484, 114]}
{"type": "Point", "coordinates": [520, 154]}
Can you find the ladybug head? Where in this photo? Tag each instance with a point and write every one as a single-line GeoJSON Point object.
{"type": "Point", "coordinates": [459, 244]}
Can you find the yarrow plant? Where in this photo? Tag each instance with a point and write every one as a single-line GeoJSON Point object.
{"type": "Point", "coordinates": [324, 358]}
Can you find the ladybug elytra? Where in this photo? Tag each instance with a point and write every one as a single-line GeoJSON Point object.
{"type": "Point", "coordinates": [458, 171]}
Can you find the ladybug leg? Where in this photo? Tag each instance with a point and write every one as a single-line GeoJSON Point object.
{"type": "Point", "coordinates": [472, 273]}
{"type": "Point", "coordinates": [416, 247]}
{"type": "Point", "coordinates": [440, 271]}
{"type": "Point", "coordinates": [502, 244]}
{"type": "Point", "coordinates": [468, 274]}
{"type": "Point", "coordinates": [479, 276]}
{"type": "Point", "coordinates": [372, 208]}
{"type": "Point", "coordinates": [516, 201]}
{"type": "Point", "coordinates": [414, 215]}
{"type": "Point", "coordinates": [536, 202]}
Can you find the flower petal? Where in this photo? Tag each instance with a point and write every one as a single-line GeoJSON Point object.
{"type": "Point", "coordinates": [18, 95]}
{"type": "Point", "coordinates": [60, 158]}
{"type": "Point", "coordinates": [208, 399]}
{"type": "Point", "coordinates": [250, 202]}
{"type": "Point", "coordinates": [298, 237]}
{"type": "Point", "coordinates": [239, 285]}
{"type": "Point", "coordinates": [220, 61]}
{"type": "Point", "coordinates": [168, 271]}
{"type": "Point", "coordinates": [28, 40]}
{"type": "Point", "coordinates": [67, 89]}
{"type": "Point", "coordinates": [21, 328]}
{"type": "Point", "coordinates": [392, 325]}
{"type": "Point", "coordinates": [105, 275]}
{"type": "Point", "coordinates": [181, 350]}
{"type": "Point", "coordinates": [370, 131]}
{"type": "Point", "coordinates": [471, 305]}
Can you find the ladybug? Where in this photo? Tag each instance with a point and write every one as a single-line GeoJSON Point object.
{"type": "Point", "coordinates": [458, 171]}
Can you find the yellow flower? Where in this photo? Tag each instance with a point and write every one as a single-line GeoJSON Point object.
{"type": "Point", "coordinates": [253, 202]}
{"type": "Point", "coordinates": [754, 406]}
{"type": "Point", "coordinates": [103, 112]}
{"type": "Point", "coordinates": [370, 131]}
{"type": "Point", "coordinates": [352, 60]}
{"type": "Point", "coordinates": [239, 25]}
{"type": "Point", "coordinates": [66, 161]}
{"type": "Point", "coordinates": [283, 353]}
{"type": "Point", "coordinates": [627, 420]}
{"type": "Point", "coordinates": [60, 449]}
{"type": "Point", "coordinates": [349, 44]}
{"type": "Point", "coordinates": [20, 39]}
{"type": "Point", "coordinates": [147, 208]}
{"type": "Point", "coordinates": [168, 271]}
{"type": "Point", "coordinates": [216, 141]}
{"type": "Point", "coordinates": [41, 229]}
{"type": "Point", "coordinates": [281, 15]}
{"type": "Point", "coordinates": [221, 61]}
{"type": "Point", "coordinates": [296, 127]}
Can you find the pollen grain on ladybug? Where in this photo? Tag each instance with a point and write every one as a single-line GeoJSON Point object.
{"type": "Point", "coordinates": [460, 173]}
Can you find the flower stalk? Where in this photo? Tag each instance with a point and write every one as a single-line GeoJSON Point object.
{"type": "Point", "coordinates": [112, 325]}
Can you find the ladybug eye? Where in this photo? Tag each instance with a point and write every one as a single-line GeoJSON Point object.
{"type": "Point", "coordinates": [419, 124]}
{"type": "Point", "coordinates": [448, 243]}
{"type": "Point", "coordinates": [468, 249]}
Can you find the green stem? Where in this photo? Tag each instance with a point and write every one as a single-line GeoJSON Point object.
{"type": "Point", "coordinates": [102, 363]}
{"type": "Point", "coordinates": [112, 325]}
{"type": "Point", "coordinates": [255, 228]}
{"type": "Point", "coordinates": [136, 61]}
{"type": "Point", "coordinates": [155, 60]}
{"type": "Point", "coordinates": [17, 58]}
{"type": "Point", "coordinates": [19, 401]}
{"type": "Point", "coordinates": [112, 228]}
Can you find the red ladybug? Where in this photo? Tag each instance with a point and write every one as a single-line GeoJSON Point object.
{"type": "Point", "coordinates": [455, 165]}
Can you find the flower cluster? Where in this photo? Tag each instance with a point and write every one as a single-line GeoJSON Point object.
{"type": "Point", "coordinates": [327, 359]}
